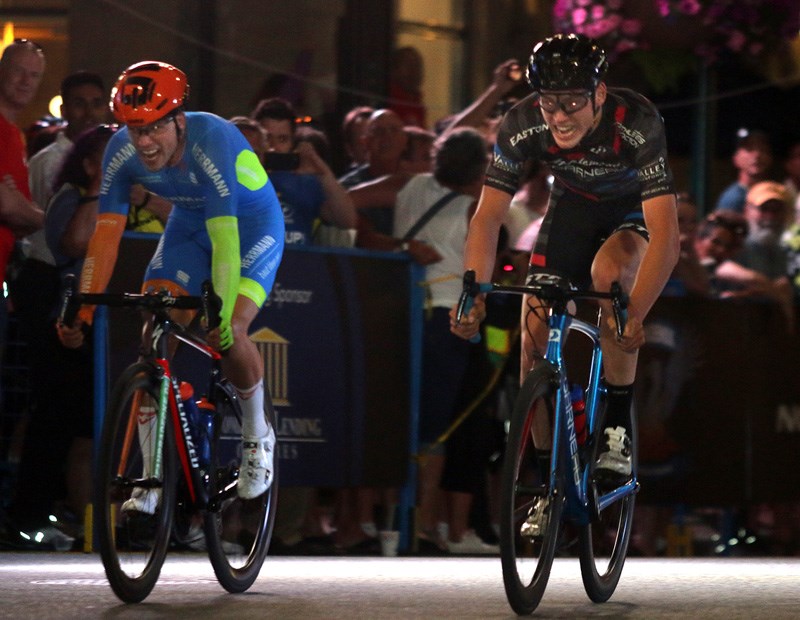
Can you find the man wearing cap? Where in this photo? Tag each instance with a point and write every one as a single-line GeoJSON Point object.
{"type": "Point", "coordinates": [760, 269]}
{"type": "Point", "coordinates": [752, 160]}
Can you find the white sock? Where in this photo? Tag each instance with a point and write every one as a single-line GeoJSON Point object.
{"type": "Point", "coordinates": [254, 422]}
{"type": "Point", "coordinates": [147, 436]}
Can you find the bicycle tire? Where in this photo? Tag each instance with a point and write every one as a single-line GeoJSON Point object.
{"type": "Point", "coordinates": [603, 543]}
{"type": "Point", "coordinates": [133, 545]}
{"type": "Point", "coordinates": [527, 560]}
{"type": "Point", "coordinates": [238, 532]}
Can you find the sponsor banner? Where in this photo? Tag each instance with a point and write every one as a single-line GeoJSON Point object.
{"type": "Point", "coordinates": [718, 403]}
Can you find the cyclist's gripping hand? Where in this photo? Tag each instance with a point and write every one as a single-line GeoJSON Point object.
{"type": "Point", "coordinates": [633, 336]}
{"type": "Point", "coordinates": [221, 337]}
{"type": "Point", "coordinates": [71, 337]}
{"type": "Point", "coordinates": [470, 323]}
{"type": "Point", "coordinates": [225, 335]}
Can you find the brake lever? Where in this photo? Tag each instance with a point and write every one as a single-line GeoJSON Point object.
{"type": "Point", "coordinates": [69, 305]}
{"type": "Point", "coordinates": [212, 306]}
{"type": "Point", "coordinates": [619, 303]}
{"type": "Point", "coordinates": [467, 300]}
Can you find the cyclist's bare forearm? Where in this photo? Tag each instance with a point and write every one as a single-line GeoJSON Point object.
{"type": "Point", "coordinates": [659, 258]}
{"type": "Point", "coordinates": [484, 229]}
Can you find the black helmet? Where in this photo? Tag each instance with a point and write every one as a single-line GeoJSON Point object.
{"type": "Point", "coordinates": [566, 62]}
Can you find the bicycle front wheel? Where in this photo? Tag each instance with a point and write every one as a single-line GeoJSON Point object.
{"type": "Point", "coordinates": [604, 542]}
{"type": "Point", "coordinates": [133, 507]}
{"type": "Point", "coordinates": [530, 514]}
{"type": "Point", "coordinates": [238, 531]}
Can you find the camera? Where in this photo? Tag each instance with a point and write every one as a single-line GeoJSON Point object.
{"type": "Point", "coordinates": [515, 73]}
{"type": "Point", "coordinates": [281, 161]}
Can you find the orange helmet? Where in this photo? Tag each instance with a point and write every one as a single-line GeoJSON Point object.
{"type": "Point", "coordinates": [148, 91]}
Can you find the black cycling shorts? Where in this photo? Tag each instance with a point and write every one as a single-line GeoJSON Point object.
{"type": "Point", "coordinates": [574, 228]}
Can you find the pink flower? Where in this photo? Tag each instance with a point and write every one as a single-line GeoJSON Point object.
{"type": "Point", "coordinates": [689, 7]}
{"type": "Point", "coordinates": [614, 22]}
{"type": "Point", "coordinates": [599, 29]}
{"type": "Point", "coordinates": [631, 27]}
{"type": "Point", "coordinates": [561, 9]}
{"type": "Point", "coordinates": [598, 12]}
{"type": "Point", "coordinates": [579, 16]}
{"type": "Point", "coordinates": [625, 45]}
{"type": "Point", "coordinates": [737, 41]}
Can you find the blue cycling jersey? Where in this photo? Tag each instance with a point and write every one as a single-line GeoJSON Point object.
{"type": "Point", "coordinates": [205, 181]}
{"type": "Point", "coordinates": [218, 176]}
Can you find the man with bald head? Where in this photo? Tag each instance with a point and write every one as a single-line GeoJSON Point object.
{"type": "Point", "coordinates": [385, 141]}
{"type": "Point", "coordinates": [21, 70]}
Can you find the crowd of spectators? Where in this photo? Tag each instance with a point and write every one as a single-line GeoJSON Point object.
{"type": "Point", "coordinates": [397, 168]}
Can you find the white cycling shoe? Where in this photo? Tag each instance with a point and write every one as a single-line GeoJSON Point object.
{"type": "Point", "coordinates": [613, 466]}
{"type": "Point", "coordinates": [142, 500]}
{"type": "Point", "coordinates": [255, 471]}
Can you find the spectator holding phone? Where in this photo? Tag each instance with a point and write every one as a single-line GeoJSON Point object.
{"type": "Point", "coordinates": [305, 184]}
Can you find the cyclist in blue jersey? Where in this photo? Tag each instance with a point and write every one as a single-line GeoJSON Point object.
{"type": "Point", "coordinates": [612, 213]}
{"type": "Point", "coordinates": [226, 223]}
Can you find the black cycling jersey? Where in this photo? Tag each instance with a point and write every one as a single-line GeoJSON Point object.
{"type": "Point", "coordinates": [599, 184]}
{"type": "Point", "coordinates": [625, 155]}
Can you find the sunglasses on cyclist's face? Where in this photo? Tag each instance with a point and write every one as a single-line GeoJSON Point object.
{"type": "Point", "coordinates": [569, 103]}
{"type": "Point", "coordinates": [154, 129]}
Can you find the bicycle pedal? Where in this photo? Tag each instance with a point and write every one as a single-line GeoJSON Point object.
{"type": "Point", "coordinates": [607, 480]}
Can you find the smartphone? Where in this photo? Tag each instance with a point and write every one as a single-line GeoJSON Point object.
{"type": "Point", "coordinates": [515, 73]}
{"type": "Point", "coordinates": [281, 161]}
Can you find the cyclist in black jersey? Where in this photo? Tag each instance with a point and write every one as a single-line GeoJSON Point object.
{"type": "Point", "coordinates": [612, 213]}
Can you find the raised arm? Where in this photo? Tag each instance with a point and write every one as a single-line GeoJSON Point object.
{"type": "Point", "coordinates": [502, 83]}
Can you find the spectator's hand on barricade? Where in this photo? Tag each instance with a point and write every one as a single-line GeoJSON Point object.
{"type": "Point", "coordinates": [470, 323]}
{"type": "Point", "coordinates": [422, 253]}
{"type": "Point", "coordinates": [71, 337]}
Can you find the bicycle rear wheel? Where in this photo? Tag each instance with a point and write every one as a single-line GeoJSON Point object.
{"type": "Point", "coordinates": [527, 555]}
{"type": "Point", "coordinates": [238, 531]}
{"type": "Point", "coordinates": [133, 543]}
{"type": "Point", "coordinates": [604, 542]}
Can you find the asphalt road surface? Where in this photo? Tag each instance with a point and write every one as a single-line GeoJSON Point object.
{"type": "Point", "coordinates": [72, 585]}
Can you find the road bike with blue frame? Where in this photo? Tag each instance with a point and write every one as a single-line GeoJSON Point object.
{"type": "Point", "coordinates": [538, 507]}
{"type": "Point", "coordinates": [151, 444]}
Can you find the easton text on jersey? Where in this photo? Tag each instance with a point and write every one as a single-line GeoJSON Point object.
{"type": "Point", "coordinates": [526, 133]}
